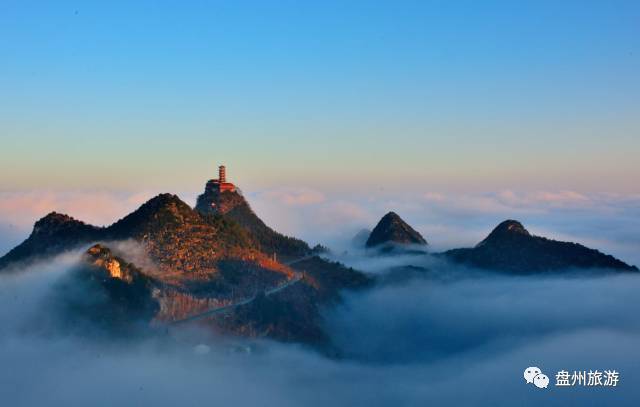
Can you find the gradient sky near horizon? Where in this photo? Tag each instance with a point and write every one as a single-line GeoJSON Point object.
{"type": "Point", "coordinates": [461, 94]}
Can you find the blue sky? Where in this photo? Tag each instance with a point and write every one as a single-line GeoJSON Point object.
{"type": "Point", "coordinates": [457, 95]}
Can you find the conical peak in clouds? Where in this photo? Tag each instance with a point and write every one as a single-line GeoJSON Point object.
{"type": "Point", "coordinates": [391, 229]}
{"type": "Point", "coordinates": [507, 230]}
{"type": "Point", "coordinates": [511, 248]}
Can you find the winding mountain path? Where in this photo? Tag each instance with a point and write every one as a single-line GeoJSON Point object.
{"type": "Point", "coordinates": [298, 260]}
{"type": "Point", "coordinates": [245, 301]}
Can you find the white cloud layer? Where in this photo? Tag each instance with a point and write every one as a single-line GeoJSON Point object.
{"type": "Point", "coordinates": [457, 339]}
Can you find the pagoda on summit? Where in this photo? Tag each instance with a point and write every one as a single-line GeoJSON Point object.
{"type": "Point", "coordinates": [219, 196]}
{"type": "Point", "coordinates": [221, 184]}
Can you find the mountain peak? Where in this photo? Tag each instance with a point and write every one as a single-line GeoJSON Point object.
{"type": "Point", "coordinates": [512, 226]}
{"type": "Point", "coordinates": [506, 231]}
{"type": "Point", "coordinates": [391, 215]}
{"type": "Point", "coordinates": [224, 198]}
{"type": "Point", "coordinates": [165, 199]}
{"type": "Point", "coordinates": [55, 218]}
{"type": "Point", "coordinates": [219, 196]}
{"type": "Point", "coordinates": [55, 222]}
{"type": "Point", "coordinates": [55, 215]}
{"type": "Point", "coordinates": [164, 205]}
{"type": "Point", "coordinates": [157, 213]}
{"type": "Point", "coordinates": [392, 229]}
{"type": "Point", "coordinates": [51, 235]}
{"type": "Point", "coordinates": [511, 248]}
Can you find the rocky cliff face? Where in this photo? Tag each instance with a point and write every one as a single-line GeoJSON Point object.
{"type": "Point", "coordinates": [114, 267]}
{"type": "Point", "coordinates": [106, 292]}
{"type": "Point", "coordinates": [393, 231]}
{"type": "Point", "coordinates": [511, 248]}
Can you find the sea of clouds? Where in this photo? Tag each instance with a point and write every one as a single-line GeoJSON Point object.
{"type": "Point", "coordinates": [445, 336]}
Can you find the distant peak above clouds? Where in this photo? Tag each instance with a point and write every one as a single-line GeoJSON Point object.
{"type": "Point", "coordinates": [511, 248]}
{"type": "Point", "coordinates": [360, 238]}
{"type": "Point", "coordinates": [391, 229]}
{"type": "Point", "coordinates": [506, 230]}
